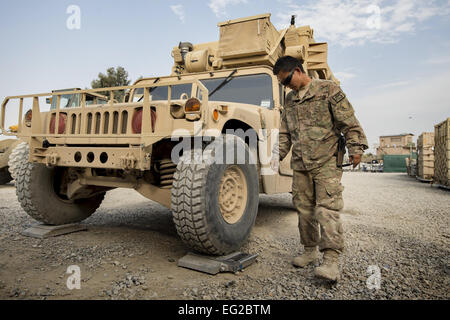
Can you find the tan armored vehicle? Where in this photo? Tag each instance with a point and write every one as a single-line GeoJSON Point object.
{"type": "Point", "coordinates": [219, 96]}
{"type": "Point", "coordinates": [6, 148]}
{"type": "Point", "coordinates": [15, 150]}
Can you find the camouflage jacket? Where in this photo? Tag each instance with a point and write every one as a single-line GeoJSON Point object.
{"type": "Point", "coordinates": [309, 127]}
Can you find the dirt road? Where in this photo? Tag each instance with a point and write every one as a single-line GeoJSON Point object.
{"type": "Point", "coordinates": [393, 223]}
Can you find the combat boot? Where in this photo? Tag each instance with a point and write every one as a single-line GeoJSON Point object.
{"type": "Point", "coordinates": [311, 255]}
{"type": "Point", "coordinates": [329, 270]}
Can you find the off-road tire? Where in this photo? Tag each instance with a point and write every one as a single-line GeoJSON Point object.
{"type": "Point", "coordinates": [36, 195]}
{"type": "Point", "coordinates": [16, 157]}
{"type": "Point", "coordinates": [195, 204]}
{"type": "Point", "coordinates": [5, 176]}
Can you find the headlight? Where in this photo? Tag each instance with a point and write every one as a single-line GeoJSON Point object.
{"type": "Point", "coordinates": [177, 111]}
{"type": "Point", "coordinates": [192, 105]}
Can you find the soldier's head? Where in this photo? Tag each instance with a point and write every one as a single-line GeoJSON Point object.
{"type": "Point", "coordinates": [290, 72]}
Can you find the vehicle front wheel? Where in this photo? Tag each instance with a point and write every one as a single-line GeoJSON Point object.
{"type": "Point", "coordinates": [215, 205]}
{"type": "Point", "coordinates": [37, 189]}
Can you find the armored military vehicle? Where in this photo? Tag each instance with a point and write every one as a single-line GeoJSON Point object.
{"type": "Point", "coordinates": [6, 147]}
{"type": "Point", "coordinates": [18, 149]}
{"type": "Point", "coordinates": [220, 96]}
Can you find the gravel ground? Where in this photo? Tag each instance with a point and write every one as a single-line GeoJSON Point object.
{"type": "Point", "coordinates": [130, 250]}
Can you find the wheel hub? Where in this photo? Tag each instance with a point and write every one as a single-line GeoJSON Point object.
{"type": "Point", "coordinates": [232, 194]}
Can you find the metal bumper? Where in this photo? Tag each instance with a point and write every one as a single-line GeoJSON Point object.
{"type": "Point", "coordinates": [89, 157]}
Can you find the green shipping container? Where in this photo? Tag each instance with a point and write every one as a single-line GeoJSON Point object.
{"type": "Point", "coordinates": [396, 163]}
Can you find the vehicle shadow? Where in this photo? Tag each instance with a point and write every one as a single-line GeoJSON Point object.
{"type": "Point", "coordinates": [148, 215]}
{"type": "Point", "coordinates": [9, 185]}
{"type": "Point", "coordinates": [144, 216]}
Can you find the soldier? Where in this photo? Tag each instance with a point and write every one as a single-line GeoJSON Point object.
{"type": "Point", "coordinates": [317, 115]}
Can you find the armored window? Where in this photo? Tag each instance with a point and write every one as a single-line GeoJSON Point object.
{"type": "Point", "coordinates": [90, 100]}
{"type": "Point", "coordinates": [162, 93]}
{"type": "Point", "coordinates": [251, 89]}
{"type": "Point", "coordinates": [65, 101]}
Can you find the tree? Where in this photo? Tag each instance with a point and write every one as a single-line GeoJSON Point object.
{"type": "Point", "coordinates": [113, 78]}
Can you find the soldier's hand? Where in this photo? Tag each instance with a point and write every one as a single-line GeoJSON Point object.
{"type": "Point", "coordinates": [275, 163]}
{"type": "Point", "coordinates": [355, 159]}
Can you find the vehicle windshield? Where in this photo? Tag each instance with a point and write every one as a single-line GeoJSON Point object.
{"type": "Point", "coordinates": [74, 100]}
{"type": "Point", "coordinates": [162, 93]}
{"type": "Point", "coordinates": [251, 89]}
{"type": "Point", "coordinates": [67, 101]}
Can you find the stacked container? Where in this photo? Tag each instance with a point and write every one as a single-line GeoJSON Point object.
{"type": "Point", "coordinates": [411, 167]}
{"type": "Point", "coordinates": [425, 161]}
{"type": "Point", "coordinates": [442, 153]}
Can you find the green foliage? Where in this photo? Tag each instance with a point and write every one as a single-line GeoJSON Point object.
{"type": "Point", "coordinates": [113, 78]}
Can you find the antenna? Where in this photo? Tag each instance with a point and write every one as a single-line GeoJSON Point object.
{"type": "Point", "coordinates": [293, 20]}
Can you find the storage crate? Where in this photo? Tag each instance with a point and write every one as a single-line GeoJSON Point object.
{"type": "Point", "coordinates": [442, 153]}
{"type": "Point", "coordinates": [249, 37]}
{"type": "Point", "coordinates": [411, 167]}
{"type": "Point", "coordinates": [425, 161]}
{"type": "Point", "coordinates": [425, 139]}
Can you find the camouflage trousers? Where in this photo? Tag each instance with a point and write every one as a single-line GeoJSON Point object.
{"type": "Point", "coordinates": [317, 196]}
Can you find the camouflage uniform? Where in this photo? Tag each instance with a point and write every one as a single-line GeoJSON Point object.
{"type": "Point", "coordinates": [309, 127]}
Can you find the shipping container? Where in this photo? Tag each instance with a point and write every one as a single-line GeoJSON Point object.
{"type": "Point", "coordinates": [442, 153]}
{"type": "Point", "coordinates": [395, 163]}
{"type": "Point", "coordinates": [411, 167]}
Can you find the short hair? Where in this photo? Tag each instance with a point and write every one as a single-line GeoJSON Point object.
{"type": "Point", "coordinates": [287, 64]}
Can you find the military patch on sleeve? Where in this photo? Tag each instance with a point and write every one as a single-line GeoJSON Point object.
{"type": "Point", "coordinates": [338, 97]}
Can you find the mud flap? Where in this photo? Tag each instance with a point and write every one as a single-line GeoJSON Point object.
{"type": "Point", "coordinates": [233, 262]}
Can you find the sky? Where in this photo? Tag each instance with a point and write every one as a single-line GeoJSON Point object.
{"type": "Point", "coordinates": [391, 56]}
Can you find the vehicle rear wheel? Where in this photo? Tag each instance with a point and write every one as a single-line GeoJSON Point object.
{"type": "Point", "coordinates": [37, 189]}
{"type": "Point", "coordinates": [215, 205]}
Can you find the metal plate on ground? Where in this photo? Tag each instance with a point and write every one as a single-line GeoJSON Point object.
{"type": "Point", "coordinates": [42, 231]}
{"type": "Point", "coordinates": [213, 265]}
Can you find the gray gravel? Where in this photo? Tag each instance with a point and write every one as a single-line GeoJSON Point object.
{"type": "Point", "coordinates": [130, 250]}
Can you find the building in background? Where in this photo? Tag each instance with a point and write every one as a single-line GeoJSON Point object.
{"type": "Point", "coordinates": [400, 144]}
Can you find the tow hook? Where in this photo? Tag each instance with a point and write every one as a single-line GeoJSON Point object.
{"type": "Point", "coordinates": [51, 159]}
{"type": "Point", "coordinates": [128, 161]}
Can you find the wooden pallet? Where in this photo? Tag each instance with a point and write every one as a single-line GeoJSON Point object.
{"type": "Point", "coordinates": [442, 153]}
